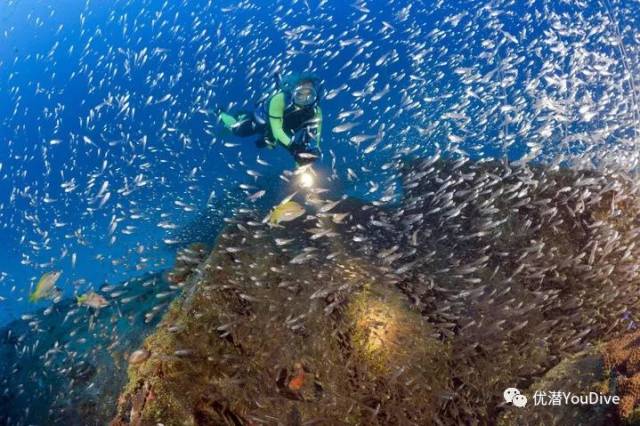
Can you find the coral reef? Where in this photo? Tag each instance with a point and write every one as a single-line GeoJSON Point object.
{"type": "Point", "coordinates": [525, 266]}
{"type": "Point", "coordinates": [258, 345]}
{"type": "Point", "coordinates": [479, 278]}
{"type": "Point", "coordinates": [622, 360]}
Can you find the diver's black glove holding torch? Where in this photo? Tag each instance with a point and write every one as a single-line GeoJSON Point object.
{"type": "Point", "coordinates": [304, 147]}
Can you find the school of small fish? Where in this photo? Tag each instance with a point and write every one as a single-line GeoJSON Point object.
{"type": "Point", "coordinates": [480, 157]}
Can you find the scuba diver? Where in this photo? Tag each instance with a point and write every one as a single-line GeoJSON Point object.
{"type": "Point", "coordinates": [292, 118]}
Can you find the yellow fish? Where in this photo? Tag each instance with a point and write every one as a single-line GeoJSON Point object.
{"type": "Point", "coordinates": [285, 212]}
{"type": "Point", "coordinates": [45, 289]}
{"type": "Point", "coordinates": [93, 300]}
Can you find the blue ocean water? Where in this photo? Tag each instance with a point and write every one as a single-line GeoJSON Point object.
{"type": "Point", "coordinates": [118, 97]}
{"type": "Point", "coordinates": [68, 64]}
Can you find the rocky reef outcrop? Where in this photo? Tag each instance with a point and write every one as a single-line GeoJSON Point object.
{"type": "Point", "coordinates": [420, 309]}
{"type": "Point", "coordinates": [263, 335]}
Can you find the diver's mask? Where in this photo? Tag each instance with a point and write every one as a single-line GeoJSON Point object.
{"type": "Point", "coordinates": [304, 95]}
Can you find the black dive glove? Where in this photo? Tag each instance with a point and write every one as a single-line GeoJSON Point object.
{"type": "Point", "coordinates": [303, 147]}
{"type": "Point", "coordinates": [299, 140]}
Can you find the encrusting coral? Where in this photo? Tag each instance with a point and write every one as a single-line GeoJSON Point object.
{"type": "Point", "coordinates": [622, 359]}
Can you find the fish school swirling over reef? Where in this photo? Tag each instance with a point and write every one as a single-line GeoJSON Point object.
{"type": "Point", "coordinates": [319, 212]}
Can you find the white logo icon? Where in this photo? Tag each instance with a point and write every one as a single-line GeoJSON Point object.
{"type": "Point", "coordinates": [513, 396]}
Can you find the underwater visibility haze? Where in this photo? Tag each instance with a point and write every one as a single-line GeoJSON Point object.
{"type": "Point", "coordinates": [319, 212]}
